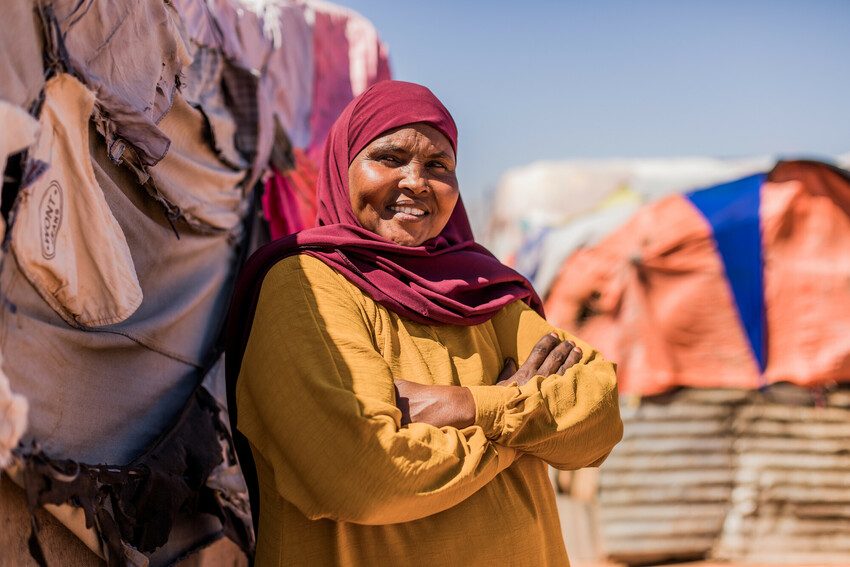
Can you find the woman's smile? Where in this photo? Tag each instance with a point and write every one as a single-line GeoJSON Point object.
{"type": "Point", "coordinates": [408, 211]}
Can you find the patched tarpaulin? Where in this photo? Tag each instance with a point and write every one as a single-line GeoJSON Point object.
{"type": "Point", "coordinates": [177, 111]}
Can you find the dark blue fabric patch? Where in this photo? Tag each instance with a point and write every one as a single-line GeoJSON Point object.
{"type": "Point", "coordinates": [732, 209]}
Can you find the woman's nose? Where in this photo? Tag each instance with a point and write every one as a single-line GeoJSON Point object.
{"type": "Point", "coordinates": [413, 179]}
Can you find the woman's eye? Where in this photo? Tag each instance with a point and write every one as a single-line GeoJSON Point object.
{"type": "Point", "coordinates": [437, 164]}
{"type": "Point", "coordinates": [389, 159]}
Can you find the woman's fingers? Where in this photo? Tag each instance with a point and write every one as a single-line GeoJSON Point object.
{"type": "Point", "coordinates": [537, 357]}
{"type": "Point", "coordinates": [549, 356]}
{"type": "Point", "coordinates": [572, 360]}
{"type": "Point", "coordinates": [556, 358]}
{"type": "Point", "coordinates": [508, 370]}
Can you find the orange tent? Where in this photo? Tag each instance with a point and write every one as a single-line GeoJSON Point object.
{"type": "Point", "coordinates": [738, 285]}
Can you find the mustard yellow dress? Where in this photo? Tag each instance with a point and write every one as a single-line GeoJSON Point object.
{"type": "Point", "coordinates": [343, 483]}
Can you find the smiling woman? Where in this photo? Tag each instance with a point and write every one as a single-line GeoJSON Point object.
{"type": "Point", "coordinates": [397, 387]}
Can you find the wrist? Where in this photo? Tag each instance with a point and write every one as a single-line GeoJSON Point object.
{"type": "Point", "coordinates": [465, 405]}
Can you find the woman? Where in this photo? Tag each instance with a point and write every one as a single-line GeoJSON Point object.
{"type": "Point", "coordinates": [368, 353]}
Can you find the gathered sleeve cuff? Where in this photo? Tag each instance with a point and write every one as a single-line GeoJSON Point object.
{"type": "Point", "coordinates": [490, 405]}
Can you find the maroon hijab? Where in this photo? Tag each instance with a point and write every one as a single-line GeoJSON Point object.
{"type": "Point", "coordinates": [448, 279]}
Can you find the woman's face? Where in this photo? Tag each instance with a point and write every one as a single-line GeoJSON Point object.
{"type": "Point", "coordinates": [403, 185]}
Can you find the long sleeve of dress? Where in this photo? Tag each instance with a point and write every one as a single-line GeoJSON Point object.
{"type": "Point", "coordinates": [570, 421]}
{"type": "Point", "coordinates": [335, 453]}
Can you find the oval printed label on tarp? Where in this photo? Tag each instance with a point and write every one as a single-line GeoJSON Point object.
{"type": "Point", "coordinates": [51, 219]}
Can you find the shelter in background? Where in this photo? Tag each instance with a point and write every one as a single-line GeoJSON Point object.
{"type": "Point", "coordinates": [543, 212]}
{"type": "Point", "coordinates": [721, 287]}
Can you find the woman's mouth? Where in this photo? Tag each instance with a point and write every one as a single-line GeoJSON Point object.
{"type": "Point", "coordinates": [407, 213]}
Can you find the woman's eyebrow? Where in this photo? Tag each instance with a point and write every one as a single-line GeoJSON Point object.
{"type": "Point", "coordinates": [388, 147]}
{"type": "Point", "coordinates": [440, 154]}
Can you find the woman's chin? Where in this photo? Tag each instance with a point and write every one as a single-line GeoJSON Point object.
{"type": "Point", "coordinates": [403, 237]}
{"type": "Point", "coordinates": [406, 239]}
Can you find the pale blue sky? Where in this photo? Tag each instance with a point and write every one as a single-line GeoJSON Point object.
{"type": "Point", "coordinates": [528, 80]}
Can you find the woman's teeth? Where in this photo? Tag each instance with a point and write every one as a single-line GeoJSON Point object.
{"type": "Point", "coordinates": [409, 211]}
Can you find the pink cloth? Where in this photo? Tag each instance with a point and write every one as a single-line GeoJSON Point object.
{"type": "Point", "coordinates": [343, 56]}
{"type": "Point", "coordinates": [805, 216]}
{"type": "Point", "coordinates": [348, 58]}
{"type": "Point", "coordinates": [289, 201]}
{"type": "Point", "coordinates": [332, 89]}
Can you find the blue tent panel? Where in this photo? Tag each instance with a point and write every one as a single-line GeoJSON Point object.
{"type": "Point", "coordinates": [732, 209]}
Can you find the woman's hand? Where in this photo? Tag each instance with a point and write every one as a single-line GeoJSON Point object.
{"type": "Point", "coordinates": [549, 356]}
{"type": "Point", "coordinates": [440, 406]}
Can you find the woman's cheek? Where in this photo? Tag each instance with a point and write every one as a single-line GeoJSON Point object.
{"type": "Point", "coordinates": [374, 175]}
{"type": "Point", "coordinates": [447, 203]}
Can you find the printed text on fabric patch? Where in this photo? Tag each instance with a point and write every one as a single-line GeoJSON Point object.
{"type": "Point", "coordinates": [51, 219]}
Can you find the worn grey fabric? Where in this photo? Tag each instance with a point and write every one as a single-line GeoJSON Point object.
{"type": "Point", "coordinates": [102, 395]}
{"type": "Point", "coordinates": [136, 89]}
{"type": "Point", "coordinates": [239, 33]}
{"type": "Point", "coordinates": [191, 177]}
{"type": "Point", "coordinates": [21, 66]}
{"type": "Point", "coordinates": [198, 22]}
{"type": "Point", "coordinates": [186, 473]}
{"type": "Point", "coordinates": [98, 34]}
{"type": "Point", "coordinates": [201, 87]}
{"type": "Point", "coordinates": [243, 32]}
{"type": "Point", "coordinates": [273, 38]}
{"type": "Point", "coordinates": [20, 130]}
{"type": "Point", "coordinates": [185, 116]}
